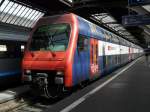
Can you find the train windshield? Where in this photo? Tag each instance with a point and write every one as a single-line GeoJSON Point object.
{"type": "Point", "coordinates": [54, 37]}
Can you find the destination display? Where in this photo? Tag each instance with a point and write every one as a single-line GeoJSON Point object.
{"type": "Point", "coordinates": [138, 2]}
{"type": "Point", "coordinates": [135, 20]}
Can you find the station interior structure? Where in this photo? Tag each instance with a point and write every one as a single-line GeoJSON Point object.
{"type": "Point", "coordinates": [128, 92]}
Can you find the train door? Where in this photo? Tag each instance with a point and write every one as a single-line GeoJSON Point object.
{"type": "Point", "coordinates": [101, 57]}
{"type": "Point", "coordinates": [104, 56]}
{"type": "Point", "coordinates": [94, 57]}
{"type": "Point", "coordinates": [84, 55]}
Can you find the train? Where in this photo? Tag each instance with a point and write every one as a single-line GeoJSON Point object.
{"type": "Point", "coordinates": [66, 50]}
{"type": "Point", "coordinates": [11, 53]}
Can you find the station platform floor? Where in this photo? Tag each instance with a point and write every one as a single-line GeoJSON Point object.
{"type": "Point", "coordinates": [125, 90]}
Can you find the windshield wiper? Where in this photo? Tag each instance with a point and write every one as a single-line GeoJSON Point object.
{"type": "Point", "coordinates": [51, 38]}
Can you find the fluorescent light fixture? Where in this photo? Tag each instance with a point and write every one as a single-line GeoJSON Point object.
{"type": "Point", "coordinates": [22, 47]}
{"type": "Point", "coordinates": [3, 48]}
{"type": "Point", "coordinates": [70, 1]}
{"type": "Point", "coordinates": [108, 19]}
{"type": "Point", "coordinates": [146, 7]}
{"type": "Point", "coordinates": [67, 2]}
{"type": "Point", "coordinates": [148, 26]}
{"type": "Point", "coordinates": [146, 32]}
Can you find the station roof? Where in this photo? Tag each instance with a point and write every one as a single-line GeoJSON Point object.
{"type": "Point", "coordinates": [106, 13]}
{"type": "Point", "coordinates": [19, 14]}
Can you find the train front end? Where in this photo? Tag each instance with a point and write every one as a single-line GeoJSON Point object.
{"type": "Point", "coordinates": [47, 63]}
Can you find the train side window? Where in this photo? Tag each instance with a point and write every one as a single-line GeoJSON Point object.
{"type": "Point", "coordinates": [111, 37]}
{"type": "Point", "coordinates": [83, 43]}
{"type": "Point", "coordinates": [3, 51]}
{"type": "Point", "coordinates": [3, 48]}
{"type": "Point", "coordinates": [10, 50]}
{"type": "Point", "coordinates": [107, 36]}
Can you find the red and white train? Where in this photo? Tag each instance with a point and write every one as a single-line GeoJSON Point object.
{"type": "Point", "coordinates": [66, 50]}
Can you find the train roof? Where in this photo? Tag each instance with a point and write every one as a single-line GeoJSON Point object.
{"type": "Point", "coordinates": [90, 28]}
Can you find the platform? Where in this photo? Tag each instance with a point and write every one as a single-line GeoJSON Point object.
{"type": "Point", "coordinates": [126, 90]}
{"type": "Point", "coordinates": [130, 92]}
{"type": "Point", "coordinates": [13, 93]}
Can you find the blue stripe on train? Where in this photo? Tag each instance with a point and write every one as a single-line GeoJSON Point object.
{"type": "Point", "coordinates": [86, 29]}
{"type": "Point", "coordinates": [9, 73]}
{"type": "Point", "coordinates": [76, 68]}
{"type": "Point", "coordinates": [81, 66]}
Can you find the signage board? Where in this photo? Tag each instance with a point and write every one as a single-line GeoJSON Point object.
{"type": "Point", "coordinates": [138, 2]}
{"type": "Point", "coordinates": [135, 20]}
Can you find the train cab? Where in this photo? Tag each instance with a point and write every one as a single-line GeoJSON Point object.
{"type": "Point", "coordinates": [49, 54]}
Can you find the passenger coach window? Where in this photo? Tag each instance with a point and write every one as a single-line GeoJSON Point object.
{"type": "Point", "coordinates": [107, 36]}
{"type": "Point", "coordinates": [83, 43]}
{"type": "Point", "coordinates": [3, 48]}
{"type": "Point", "coordinates": [14, 50]}
{"type": "Point", "coordinates": [10, 50]}
{"type": "Point", "coordinates": [3, 51]}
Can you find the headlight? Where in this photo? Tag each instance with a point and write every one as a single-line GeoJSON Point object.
{"type": "Point", "coordinates": [60, 73]}
{"type": "Point", "coordinates": [28, 71]}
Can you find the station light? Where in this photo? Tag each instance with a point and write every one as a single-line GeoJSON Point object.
{"type": "Point", "coordinates": [3, 48]}
{"type": "Point", "coordinates": [146, 7]}
{"type": "Point", "coordinates": [70, 1]}
{"type": "Point", "coordinates": [22, 47]}
{"type": "Point", "coordinates": [60, 73]}
{"type": "Point", "coordinates": [67, 2]}
{"type": "Point", "coordinates": [28, 71]}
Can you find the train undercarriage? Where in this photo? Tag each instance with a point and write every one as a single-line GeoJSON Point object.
{"type": "Point", "coordinates": [47, 84]}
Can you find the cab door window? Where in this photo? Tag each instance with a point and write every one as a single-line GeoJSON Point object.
{"type": "Point", "coordinates": [83, 43]}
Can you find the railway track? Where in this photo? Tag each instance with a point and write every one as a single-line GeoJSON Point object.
{"type": "Point", "coordinates": [27, 103]}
